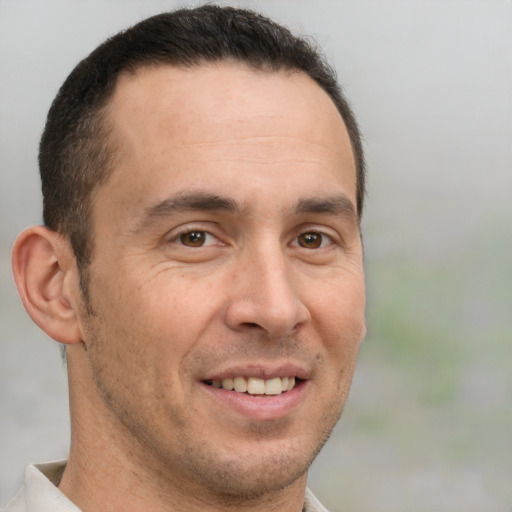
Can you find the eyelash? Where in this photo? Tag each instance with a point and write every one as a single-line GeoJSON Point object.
{"type": "Point", "coordinates": [178, 238]}
{"type": "Point", "coordinates": [325, 239]}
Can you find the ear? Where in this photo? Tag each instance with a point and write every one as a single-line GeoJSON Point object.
{"type": "Point", "coordinates": [45, 273]}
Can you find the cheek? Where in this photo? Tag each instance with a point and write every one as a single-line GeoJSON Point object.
{"type": "Point", "coordinates": [339, 306]}
{"type": "Point", "coordinates": [170, 318]}
{"type": "Point", "coordinates": [338, 315]}
{"type": "Point", "coordinates": [121, 331]}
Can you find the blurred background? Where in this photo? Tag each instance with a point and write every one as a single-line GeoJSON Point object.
{"type": "Point", "coordinates": [428, 425]}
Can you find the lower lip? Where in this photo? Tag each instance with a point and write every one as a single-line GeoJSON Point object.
{"type": "Point", "coordinates": [261, 407]}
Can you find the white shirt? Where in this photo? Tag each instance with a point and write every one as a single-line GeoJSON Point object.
{"type": "Point", "coordinates": [40, 494]}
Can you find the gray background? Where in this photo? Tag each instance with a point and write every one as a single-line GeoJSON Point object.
{"type": "Point", "coordinates": [429, 421]}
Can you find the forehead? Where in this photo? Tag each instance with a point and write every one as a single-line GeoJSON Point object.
{"type": "Point", "coordinates": [192, 126]}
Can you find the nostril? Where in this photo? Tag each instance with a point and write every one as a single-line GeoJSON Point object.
{"type": "Point", "coordinates": [252, 325]}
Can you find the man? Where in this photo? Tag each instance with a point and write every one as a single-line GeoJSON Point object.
{"type": "Point", "coordinates": [201, 261]}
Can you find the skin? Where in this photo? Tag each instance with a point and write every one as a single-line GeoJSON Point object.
{"type": "Point", "coordinates": [258, 296]}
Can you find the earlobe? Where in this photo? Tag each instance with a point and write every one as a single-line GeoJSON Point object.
{"type": "Point", "coordinates": [45, 274]}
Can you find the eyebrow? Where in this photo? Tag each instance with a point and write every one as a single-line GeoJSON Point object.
{"type": "Point", "coordinates": [192, 201]}
{"type": "Point", "coordinates": [201, 201]}
{"type": "Point", "coordinates": [334, 205]}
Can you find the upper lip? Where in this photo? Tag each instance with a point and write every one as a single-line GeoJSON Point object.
{"type": "Point", "coordinates": [262, 371]}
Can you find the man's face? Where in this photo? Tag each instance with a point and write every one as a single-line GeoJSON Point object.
{"type": "Point", "coordinates": [227, 252]}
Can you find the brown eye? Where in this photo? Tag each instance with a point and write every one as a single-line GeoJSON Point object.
{"type": "Point", "coordinates": [310, 240]}
{"type": "Point", "coordinates": [193, 238]}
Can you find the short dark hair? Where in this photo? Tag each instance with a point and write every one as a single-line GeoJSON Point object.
{"type": "Point", "coordinates": [76, 151]}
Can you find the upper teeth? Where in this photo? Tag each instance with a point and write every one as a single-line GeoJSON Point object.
{"type": "Point", "coordinates": [255, 386]}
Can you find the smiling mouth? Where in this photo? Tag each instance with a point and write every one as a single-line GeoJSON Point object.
{"type": "Point", "coordinates": [254, 385]}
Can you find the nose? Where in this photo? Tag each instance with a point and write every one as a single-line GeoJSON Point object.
{"type": "Point", "coordinates": [264, 296]}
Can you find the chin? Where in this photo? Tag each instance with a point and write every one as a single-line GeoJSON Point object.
{"type": "Point", "coordinates": [251, 473]}
{"type": "Point", "coordinates": [254, 481]}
